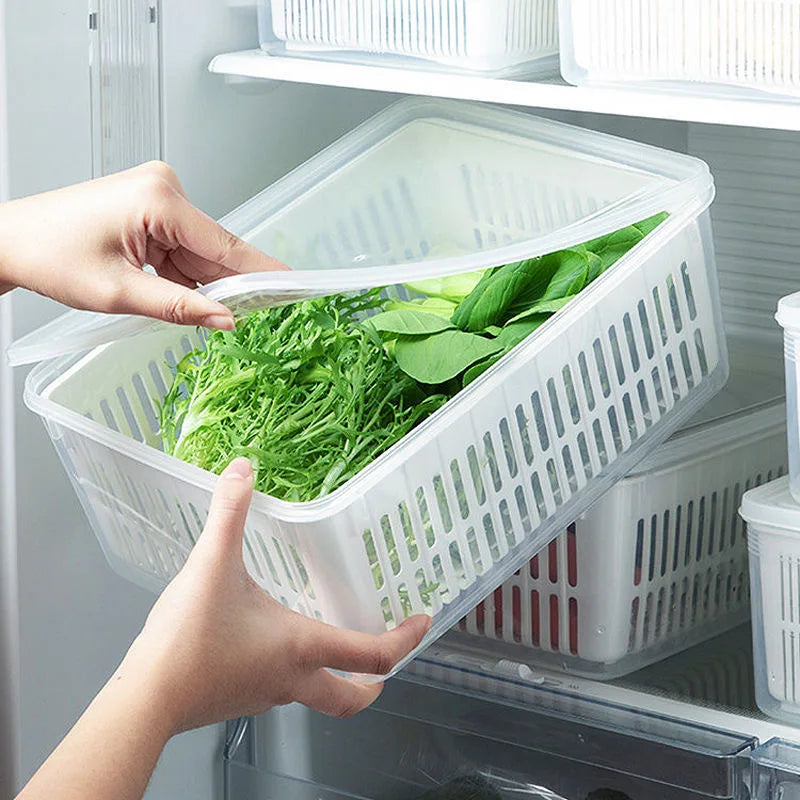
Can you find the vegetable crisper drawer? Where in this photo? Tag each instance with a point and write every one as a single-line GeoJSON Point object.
{"type": "Point", "coordinates": [658, 564]}
{"type": "Point", "coordinates": [488, 480]}
{"type": "Point", "coordinates": [744, 45]}
{"type": "Point", "coordinates": [486, 36]}
{"type": "Point", "coordinates": [532, 744]}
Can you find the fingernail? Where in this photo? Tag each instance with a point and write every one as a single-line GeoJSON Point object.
{"type": "Point", "coordinates": [222, 322]}
{"type": "Point", "coordinates": [240, 468]}
{"type": "Point", "coordinates": [428, 624]}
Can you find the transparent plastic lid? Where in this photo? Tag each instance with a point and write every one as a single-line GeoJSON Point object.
{"type": "Point", "coordinates": [772, 505]}
{"type": "Point", "coordinates": [428, 188]}
{"type": "Point", "coordinates": [788, 315]}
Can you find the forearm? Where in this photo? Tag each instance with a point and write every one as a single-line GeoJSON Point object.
{"type": "Point", "coordinates": [111, 752]}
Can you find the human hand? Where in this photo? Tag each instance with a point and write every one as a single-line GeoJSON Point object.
{"type": "Point", "coordinates": [85, 246]}
{"type": "Point", "coordinates": [216, 646]}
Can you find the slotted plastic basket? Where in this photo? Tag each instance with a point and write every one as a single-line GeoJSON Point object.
{"type": "Point", "coordinates": [788, 317]}
{"type": "Point", "coordinates": [659, 563]}
{"type": "Point", "coordinates": [773, 534]}
{"type": "Point", "coordinates": [441, 519]}
{"type": "Point", "coordinates": [487, 36]}
{"type": "Point", "coordinates": [750, 45]}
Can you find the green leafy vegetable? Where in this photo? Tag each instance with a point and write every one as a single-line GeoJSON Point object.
{"type": "Point", "coordinates": [431, 305]}
{"type": "Point", "coordinates": [409, 322]}
{"type": "Point", "coordinates": [487, 304]}
{"type": "Point", "coordinates": [316, 391]}
{"type": "Point", "coordinates": [308, 394]}
{"type": "Point", "coordinates": [453, 288]}
{"type": "Point", "coordinates": [442, 356]}
{"type": "Point", "coordinates": [543, 307]}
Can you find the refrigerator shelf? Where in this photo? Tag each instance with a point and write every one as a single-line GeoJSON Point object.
{"type": "Point", "coordinates": [695, 105]}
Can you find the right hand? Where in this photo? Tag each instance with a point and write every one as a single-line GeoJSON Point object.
{"type": "Point", "coordinates": [216, 646]}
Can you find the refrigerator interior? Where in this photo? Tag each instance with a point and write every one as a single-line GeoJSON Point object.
{"type": "Point", "coordinates": [228, 138]}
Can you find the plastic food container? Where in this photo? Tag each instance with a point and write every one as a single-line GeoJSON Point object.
{"type": "Point", "coordinates": [747, 44]}
{"type": "Point", "coordinates": [425, 188]}
{"type": "Point", "coordinates": [773, 535]}
{"type": "Point", "coordinates": [658, 564]}
{"type": "Point", "coordinates": [788, 317]}
{"type": "Point", "coordinates": [487, 36]}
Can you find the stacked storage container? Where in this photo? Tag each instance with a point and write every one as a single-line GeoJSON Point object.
{"type": "Point", "coordinates": [739, 45]}
{"type": "Point", "coordinates": [660, 562]}
{"type": "Point", "coordinates": [497, 37]}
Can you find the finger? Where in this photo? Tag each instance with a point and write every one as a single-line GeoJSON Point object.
{"type": "Point", "coordinates": [229, 505]}
{"type": "Point", "coordinates": [351, 651]}
{"type": "Point", "coordinates": [169, 271]}
{"type": "Point", "coordinates": [157, 297]}
{"type": "Point", "coordinates": [191, 229]}
{"type": "Point", "coordinates": [336, 696]}
{"type": "Point", "coordinates": [163, 171]}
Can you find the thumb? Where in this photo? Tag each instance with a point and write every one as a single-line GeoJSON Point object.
{"type": "Point", "coordinates": [225, 523]}
{"type": "Point", "coordinates": [153, 296]}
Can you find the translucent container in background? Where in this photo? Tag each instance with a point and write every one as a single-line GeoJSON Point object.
{"type": "Point", "coordinates": [452, 510]}
{"type": "Point", "coordinates": [745, 45]}
{"type": "Point", "coordinates": [773, 535]}
{"type": "Point", "coordinates": [788, 317]}
{"type": "Point", "coordinates": [496, 37]}
{"type": "Point", "coordinates": [659, 563]}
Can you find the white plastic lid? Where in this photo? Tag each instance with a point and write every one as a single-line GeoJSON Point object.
{"type": "Point", "coordinates": [788, 315]}
{"type": "Point", "coordinates": [772, 505]}
{"type": "Point", "coordinates": [82, 330]}
{"type": "Point", "coordinates": [603, 183]}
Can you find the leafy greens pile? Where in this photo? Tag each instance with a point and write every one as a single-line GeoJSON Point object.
{"type": "Point", "coordinates": [314, 392]}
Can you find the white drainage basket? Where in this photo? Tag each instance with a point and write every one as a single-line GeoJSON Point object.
{"type": "Point", "coordinates": [657, 565]}
{"type": "Point", "coordinates": [788, 317]}
{"type": "Point", "coordinates": [752, 45]}
{"type": "Point", "coordinates": [486, 36]}
{"type": "Point", "coordinates": [773, 534]}
{"type": "Point", "coordinates": [463, 501]}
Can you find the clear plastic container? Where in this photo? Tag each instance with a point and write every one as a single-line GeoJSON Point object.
{"type": "Point", "coordinates": [750, 46]}
{"type": "Point", "coordinates": [425, 188]}
{"type": "Point", "coordinates": [659, 563]}
{"type": "Point", "coordinates": [773, 535]}
{"type": "Point", "coordinates": [497, 37]}
{"type": "Point", "coordinates": [788, 317]}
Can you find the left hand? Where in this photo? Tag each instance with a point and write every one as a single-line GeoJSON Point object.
{"type": "Point", "coordinates": [86, 245]}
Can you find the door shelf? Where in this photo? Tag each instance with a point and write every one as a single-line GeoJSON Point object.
{"type": "Point", "coordinates": [701, 106]}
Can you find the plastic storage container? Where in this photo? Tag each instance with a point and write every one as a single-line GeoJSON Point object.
{"type": "Point", "coordinates": [468, 497]}
{"type": "Point", "coordinates": [753, 45]}
{"type": "Point", "coordinates": [659, 563]}
{"type": "Point", "coordinates": [788, 317]}
{"type": "Point", "coordinates": [773, 535]}
{"type": "Point", "coordinates": [487, 36]}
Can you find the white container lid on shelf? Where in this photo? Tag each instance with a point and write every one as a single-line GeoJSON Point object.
{"type": "Point", "coordinates": [773, 506]}
{"type": "Point", "coordinates": [492, 187]}
{"type": "Point", "coordinates": [788, 315]}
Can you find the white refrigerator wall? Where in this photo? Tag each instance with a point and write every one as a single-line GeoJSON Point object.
{"type": "Point", "coordinates": [76, 616]}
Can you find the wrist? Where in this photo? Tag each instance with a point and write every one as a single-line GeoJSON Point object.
{"type": "Point", "coordinates": [144, 681]}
